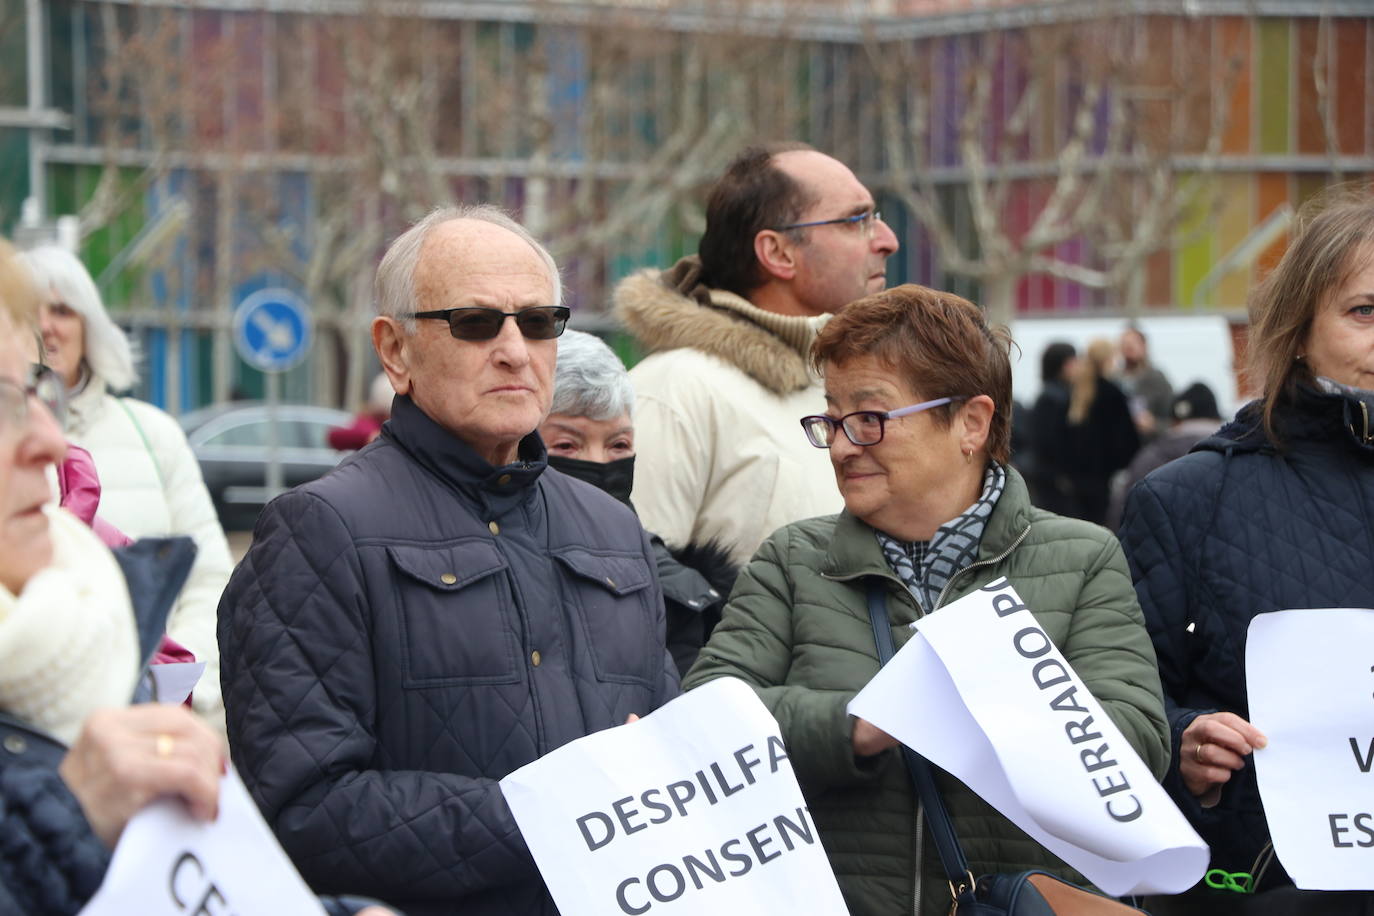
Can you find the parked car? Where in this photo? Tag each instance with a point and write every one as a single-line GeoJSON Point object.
{"type": "Point", "coordinates": [231, 442]}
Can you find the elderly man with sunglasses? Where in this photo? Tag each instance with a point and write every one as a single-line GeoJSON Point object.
{"type": "Point", "coordinates": [439, 610]}
{"type": "Point", "coordinates": [792, 236]}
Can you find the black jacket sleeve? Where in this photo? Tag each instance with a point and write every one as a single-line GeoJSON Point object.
{"type": "Point", "coordinates": [1159, 559]}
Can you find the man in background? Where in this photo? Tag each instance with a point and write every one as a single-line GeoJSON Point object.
{"type": "Point", "coordinates": [1150, 394]}
{"type": "Point", "coordinates": [791, 237]}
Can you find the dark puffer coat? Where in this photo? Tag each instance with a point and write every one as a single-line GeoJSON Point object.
{"type": "Point", "coordinates": [1234, 529]}
{"type": "Point", "coordinates": [409, 629]}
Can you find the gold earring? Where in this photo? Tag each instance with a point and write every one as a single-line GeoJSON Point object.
{"type": "Point", "coordinates": [968, 456]}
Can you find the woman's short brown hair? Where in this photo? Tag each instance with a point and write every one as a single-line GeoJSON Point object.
{"type": "Point", "coordinates": [1322, 256]}
{"type": "Point", "coordinates": [938, 342]}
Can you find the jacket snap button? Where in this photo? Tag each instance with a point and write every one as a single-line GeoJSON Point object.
{"type": "Point", "coordinates": [493, 528]}
{"type": "Point", "coordinates": [448, 578]}
{"type": "Point", "coordinates": [503, 479]}
{"type": "Point", "coordinates": [610, 582]}
{"type": "Point", "coordinates": [16, 744]}
{"type": "Point", "coordinates": [534, 658]}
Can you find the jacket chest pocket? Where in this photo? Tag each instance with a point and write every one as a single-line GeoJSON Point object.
{"type": "Point", "coordinates": [613, 608]}
{"type": "Point", "coordinates": [455, 614]}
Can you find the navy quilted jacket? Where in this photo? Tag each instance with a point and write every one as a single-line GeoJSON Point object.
{"type": "Point", "coordinates": [1235, 529]}
{"type": "Point", "coordinates": [409, 629]}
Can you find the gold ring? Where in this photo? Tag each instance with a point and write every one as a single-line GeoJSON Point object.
{"type": "Point", "coordinates": [1197, 754]}
{"type": "Point", "coordinates": [165, 743]}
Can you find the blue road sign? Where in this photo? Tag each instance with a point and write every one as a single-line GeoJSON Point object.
{"type": "Point", "coordinates": [273, 330]}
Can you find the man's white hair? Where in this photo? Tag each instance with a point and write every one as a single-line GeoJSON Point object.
{"type": "Point", "coordinates": [61, 277]}
{"type": "Point", "coordinates": [590, 380]}
{"type": "Point", "coordinates": [395, 284]}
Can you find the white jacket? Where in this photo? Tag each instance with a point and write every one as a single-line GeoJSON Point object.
{"type": "Point", "coordinates": [150, 484]}
{"type": "Point", "coordinates": [719, 450]}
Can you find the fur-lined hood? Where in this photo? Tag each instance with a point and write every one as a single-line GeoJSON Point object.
{"type": "Point", "coordinates": [671, 310]}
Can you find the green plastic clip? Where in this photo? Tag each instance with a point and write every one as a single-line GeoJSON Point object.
{"type": "Point", "coordinates": [1238, 881]}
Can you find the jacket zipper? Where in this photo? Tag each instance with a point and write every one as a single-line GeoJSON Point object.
{"type": "Point", "coordinates": [920, 811]}
{"type": "Point", "coordinates": [1365, 438]}
{"type": "Point", "coordinates": [991, 561]}
{"type": "Point", "coordinates": [920, 823]}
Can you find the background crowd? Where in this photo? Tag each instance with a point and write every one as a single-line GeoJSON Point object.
{"type": "Point", "coordinates": [531, 544]}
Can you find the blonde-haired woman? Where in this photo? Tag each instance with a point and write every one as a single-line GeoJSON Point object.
{"type": "Point", "coordinates": [1102, 435]}
{"type": "Point", "coordinates": [151, 484]}
{"type": "Point", "coordinates": [1083, 432]}
{"type": "Point", "coordinates": [1275, 511]}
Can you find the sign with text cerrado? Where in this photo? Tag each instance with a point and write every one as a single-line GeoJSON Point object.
{"type": "Point", "coordinates": [693, 809]}
{"type": "Point", "coordinates": [981, 691]}
{"type": "Point", "coordinates": [1309, 677]}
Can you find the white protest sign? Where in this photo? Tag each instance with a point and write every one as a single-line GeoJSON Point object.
{"type": "Point", "coordinates": [693, 809]}
{"type": "Point", "coordinates": [1310, 680]}
{"type": "Point", "coordinates": [982, 692]}
{"type": "Point", "coordinates": [173, 682]}
{"type": "Point", "coordinates": [168, 863]}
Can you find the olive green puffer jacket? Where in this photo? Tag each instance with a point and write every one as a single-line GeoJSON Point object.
{"type": "Point", "coordinates": [797, 629]}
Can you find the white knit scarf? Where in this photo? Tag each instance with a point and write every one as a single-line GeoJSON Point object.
{"type": "Point", "coordinates": [68, 643]}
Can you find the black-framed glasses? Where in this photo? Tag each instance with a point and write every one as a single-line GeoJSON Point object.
{"type": "Point", "coordinates": [863, 427]}
{"type": "Point", "coordinates": [865, 221]}
{"type": "Point", "coordinates": [42, 383]}
{"type": "Point", "coordinates": [543, 322]}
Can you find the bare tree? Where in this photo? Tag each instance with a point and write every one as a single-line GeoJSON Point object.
{"type": "Point", "coordinates": [593, 131]}
{"type": "Point", "coordinates": [315, 137]}
{"type": "Point", "coordinates": [1076, 118]}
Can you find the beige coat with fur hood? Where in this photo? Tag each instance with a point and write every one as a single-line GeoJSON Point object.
{"type": "Point", "coordinates": [720, 452]}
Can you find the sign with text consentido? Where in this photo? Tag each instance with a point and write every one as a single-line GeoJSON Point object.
{"type": "Point", "coordinates": [1310, 679]}
{"type": "Point", "coordinates": [981, 691]}
{"type": "Point", "coordinates": [693, 809]}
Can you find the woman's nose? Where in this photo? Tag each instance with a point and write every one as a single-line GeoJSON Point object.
{"type": "Point", "coordinates": [43, 440]}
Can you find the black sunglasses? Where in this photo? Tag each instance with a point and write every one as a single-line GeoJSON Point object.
{"type": "Point", "coordinates": [543, 322]}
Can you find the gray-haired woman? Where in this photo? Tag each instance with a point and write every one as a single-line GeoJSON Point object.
{"type": "Point", "coordinates": [151, 484]}
{"type": "Point", "coordinates": [590, 435]}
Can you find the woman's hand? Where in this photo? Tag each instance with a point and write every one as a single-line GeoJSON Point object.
{"type": "Point", "coordinates": [1212, 747]}
{"type": "Point", "coordinates": [869, 739]}
{"type": "Point", "coordinates": [125, 758]}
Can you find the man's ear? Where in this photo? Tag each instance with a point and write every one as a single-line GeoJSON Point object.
{"type": "Point", "coordinates": [776, 254]}
{"type": "Point", "coordinates": [976, 418]}
{"type": "Point", "coordinates": [390, 341]}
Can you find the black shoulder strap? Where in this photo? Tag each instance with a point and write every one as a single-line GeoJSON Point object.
{"type": "Point", "coordinates": [937, 816]}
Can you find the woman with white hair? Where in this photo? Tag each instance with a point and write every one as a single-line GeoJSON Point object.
{"type": "Point", "coordinates": [590, 435]}
{"type": "Point", "coordinates": [151, 484]}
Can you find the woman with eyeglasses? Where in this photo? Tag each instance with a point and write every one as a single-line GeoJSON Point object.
{"type": "Point", "coordinates": [918, 390]}
{"type": "Point", "coordinates": [151, 483]}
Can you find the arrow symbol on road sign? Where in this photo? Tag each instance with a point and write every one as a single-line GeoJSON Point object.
{"type": "Point", "coordinates": [278, 333]}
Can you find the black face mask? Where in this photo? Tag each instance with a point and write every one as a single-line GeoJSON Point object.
{"type": "Point", "coordinates": [614, 477]}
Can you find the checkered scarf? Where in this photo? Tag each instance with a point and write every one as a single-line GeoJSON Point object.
{"type": "Point", "coordinates": [925, 567]}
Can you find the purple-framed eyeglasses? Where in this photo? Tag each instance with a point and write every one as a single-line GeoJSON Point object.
{"type": "Point", "coordinates": [863, 427]}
